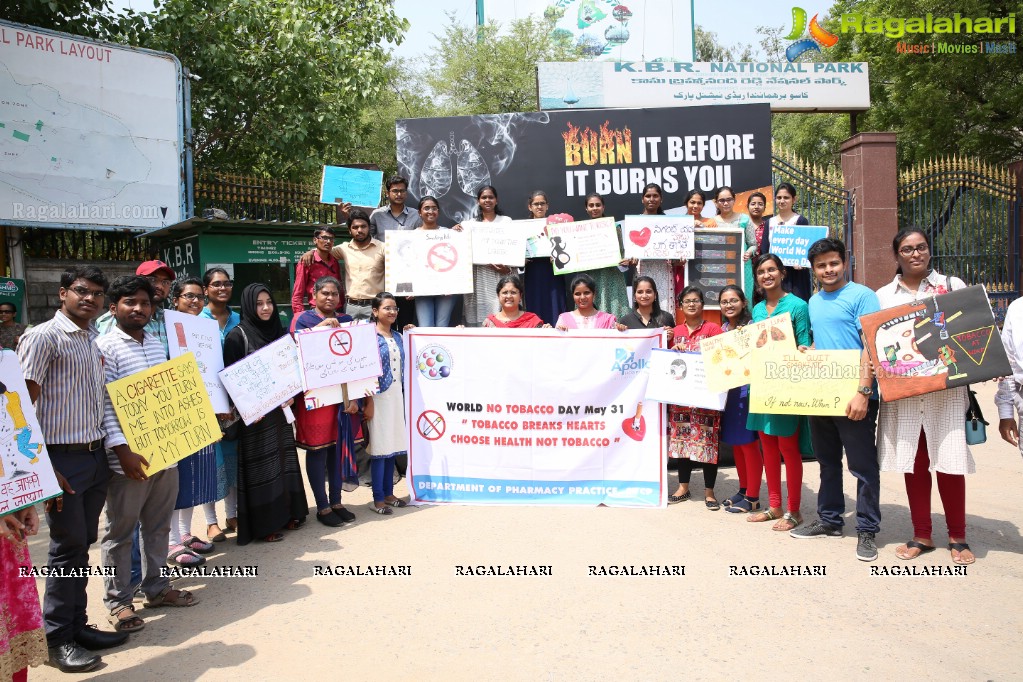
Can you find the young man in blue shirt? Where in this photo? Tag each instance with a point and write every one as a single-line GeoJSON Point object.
{"type": "Point", "coordinates": [835, 321]}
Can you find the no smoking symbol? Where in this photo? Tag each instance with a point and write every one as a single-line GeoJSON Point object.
{"type": "Point", "coordinates": [340, 342]}
{"type": "Point", "coordinates": [431, 425]}
{"type": "Point", "coordinates": [442, 257]}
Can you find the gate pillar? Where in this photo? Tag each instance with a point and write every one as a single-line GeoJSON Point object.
{"type": "Point", "coordinates": [870, 171]}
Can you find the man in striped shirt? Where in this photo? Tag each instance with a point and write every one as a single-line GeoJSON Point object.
{"type": "Point", "coordinates": [134, 498]}
{"type": "Point", "coordinates": [64, 372]}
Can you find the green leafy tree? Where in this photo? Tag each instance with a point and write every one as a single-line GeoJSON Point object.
{"type": "Point", "coordinates": [939, 103]}
{"type": "Point", "coordinates": [708, 49]}
{"type": "Point", "coordinates": [483, 71]}
{"type": "Point", "coordinates": [90, 18]}
{"type": "Point", "coordinates": [276, 84]}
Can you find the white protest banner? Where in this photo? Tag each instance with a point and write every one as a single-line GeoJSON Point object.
{"type": "Point", "coordinates": [201, 337]}
{"type": "Point", "coordinates": [264, 380]}
{"type": "Point", "coordinates": [331, 356]}
{"type": "Point", "coordinates": [428, 262]}
{"type": "Point", "coordinates": [557, 421]}
{"type": "Point", "coordinates": [584, 245]}
{"type": "Point", "coordinates": [335, 395]}
{"type": "Point", "coordinates": [497, 243]}
{"type": "Point", "coordinates": [658, 236]}
{"type": "Point", "coordinates": [678, 378]}
{"type": "Point", "coordinates": [791, 242]}
{"type": "Point", "coordinates": [26, 475]}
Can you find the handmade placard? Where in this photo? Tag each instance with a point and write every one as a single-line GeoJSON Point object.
{"type": "Point", "coordinates": [428, 262]}
{"type": "Point", "coordinates": [201, 337]}
{"type": "Point", "coordinates": [728, 357]}
{"type": "Point", "coordinates": [678, 378]}
{"type": "Point", "coordinates": [791, 242]}
{"type": "Point", "coordinates": [331, 356]}
{"type": "Point", "coordinates": [261, 382]}
{"type": "Point", "coordinates": [584, 245]}
{"type": "Point", "coordinates": [356, 186]}
{"type": "Point", "coordinates": [786, 381]}
{"type": "Point", "coordinates": [658, 236]}
{"type": "Point", "coordinates": [935, 343]}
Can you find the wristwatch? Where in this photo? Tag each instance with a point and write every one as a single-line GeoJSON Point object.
{"type": "Point", "coordinates": [864, 390]}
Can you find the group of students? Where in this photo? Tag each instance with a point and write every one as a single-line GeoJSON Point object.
{"type": "Point", "coordinates": [255, 469]}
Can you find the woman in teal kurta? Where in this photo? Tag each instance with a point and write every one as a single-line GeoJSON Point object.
{"type": "Point", "coordinates": [780, 434]}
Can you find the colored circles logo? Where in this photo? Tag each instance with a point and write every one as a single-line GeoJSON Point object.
{"type": "Point", "coordinates": [434, 362]}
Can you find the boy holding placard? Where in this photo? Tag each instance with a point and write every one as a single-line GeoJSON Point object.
{"type": "Point", "coordinates": [835, 321]}
{"type": "Point", "coordinates": [133, 497]}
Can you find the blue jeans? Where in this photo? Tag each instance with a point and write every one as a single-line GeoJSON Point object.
{"type": "Point", "coordinates": [829, 436]}
{"type": "Point", "coordinates": [434, 311]}
{"type": "Point", "coordinates": [382, 471]}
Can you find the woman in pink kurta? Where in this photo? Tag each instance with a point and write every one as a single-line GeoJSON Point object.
{"type": "Point", "coordinates": [585, 316]}
{"type": "Point", "coordinates": [22, 639]}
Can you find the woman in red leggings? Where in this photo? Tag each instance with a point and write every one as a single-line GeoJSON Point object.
{"type": "Point", "coordinates": [749, 463]}
{"type": "Point", "coordinates": [780, 434]}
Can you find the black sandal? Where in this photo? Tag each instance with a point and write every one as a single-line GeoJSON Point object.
{"type": "Point", "coordinates": [712, 505]}
{"type": "Point", "coordinates": [383, 511]}
{"type": "Point", "coordinates": [684, 497]}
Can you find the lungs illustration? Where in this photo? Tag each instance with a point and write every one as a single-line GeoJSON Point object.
{"type": "Point", "coordinates": [435, 178]}
{"type": "Point", "coordinates": [437, 174]}
{"type": "Point", "coordinates": [473, 172]}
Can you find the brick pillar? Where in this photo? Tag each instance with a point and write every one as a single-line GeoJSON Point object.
{"type": "Point", "coordinates": [870, 170]}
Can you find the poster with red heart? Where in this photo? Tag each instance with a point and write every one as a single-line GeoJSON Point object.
{"type": "Point", "coordinates": [658, 236]}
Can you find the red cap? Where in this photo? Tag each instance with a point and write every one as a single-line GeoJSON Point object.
{"type": "Point", "coordinates": [151, 267]}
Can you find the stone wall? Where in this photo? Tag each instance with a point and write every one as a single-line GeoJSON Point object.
{"type": "Point", "coordinates": [42, 279]}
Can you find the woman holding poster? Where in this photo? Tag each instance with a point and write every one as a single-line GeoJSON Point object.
{"type": "Point", "coordinates": [433, 311]}
{"type": "Point", "coordinates": [385, 412]}
{"type": "Point", "coordinates": [201, 477]}
{"type": "Point", "coordinates": [611, 292]}
{"type": "Point", "coordinates": [749, 463]}
{"type": "Point", "coordinates": [511, 315]}
{"type": "Point", "coordinates": [316, 430]}
{"type": "Point", "coordinates": [925, 433]}
{"type": "Point", "coordinates": [780, 434]}
{"type": "Point", "coordinates": [546, 296]}
{"type": "Point", "coordinates": [784, 200]}
{"type": "Point", "coordinates": [478, 304]}
{"type": "Point", "coordinates": [658, 270]}
{"type": "Point", "coordinates": [217, 286]}
{"type": "Point", "coordinates": [724, 199]}
{"type": "Point", "coordinates": [271, 495]}
{"type": "Point", "coordinates": [693, 436]}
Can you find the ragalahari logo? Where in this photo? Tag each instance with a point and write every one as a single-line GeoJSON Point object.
{"type": "Point", "coordinates": [818, 36]}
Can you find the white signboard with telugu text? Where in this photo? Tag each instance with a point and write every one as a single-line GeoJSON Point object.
{"type": "Point", "coordinates": [658, 236]}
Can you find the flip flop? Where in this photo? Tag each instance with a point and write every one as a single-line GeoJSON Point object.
{"type": "Point", "coordinates": [789, 520]}
{"type": "Point", "coordinates": [182, 556]}
{"type": "Point", "coordinates": [960, 547]}
{"type": "Point", "coordinates": [768, 515]}
{"type": "Point", "coordinates": [196, 545]}
{"type": "Point", "coordinates": [913, 544]}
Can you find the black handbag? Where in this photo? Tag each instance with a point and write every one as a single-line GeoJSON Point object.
{"type": "Point", "coordinates": [976, 433]}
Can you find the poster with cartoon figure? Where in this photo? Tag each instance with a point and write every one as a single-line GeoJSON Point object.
{"type": "Point", "coordinates": [935, 343]}
{"type": "Point", "coordinates": [26, 475]}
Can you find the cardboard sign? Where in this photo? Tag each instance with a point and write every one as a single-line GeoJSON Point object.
{"type": "Point", "coordinates": [786, 381]}
{"type": "Point", "coordinates": [261, 382]}
{"type": "Point", "coordinates": [427, 262]}
{"type": "Point", "coordinates": [26, 475]}
{"type": "Point", "coordinates": [678, 378]}
{"type": "Point", "coordinates": [658, 236]}
{"type": "Point", "coordinates": [935, 343]}
{"type": "Point", "coordinates": [584, 245]}
{"type": "Point", "coordinates": [201, 337]}
{"type": "Point", "coordinates": [728, 357]}
{"type": "Point", "coordinates": [357, 186]}
{"type": "Point", "coordinates": [335, 395]}
{"type": "Point", "coordinates": [332, 356]}
{"type": "Point", "coordinates": [716, 262]}
{"type": "Point", "coordinates": [165, 412]}
{"type": "Point", "coordinates": [791, 242]}
{"type": "Point", "coordinates": [497, 243]}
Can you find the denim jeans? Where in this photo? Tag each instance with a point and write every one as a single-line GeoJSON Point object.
{"type": "Point", "coordinates": [830, 435]}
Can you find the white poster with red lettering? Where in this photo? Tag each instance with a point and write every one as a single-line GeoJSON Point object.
{"type": "Point", "coordinates": [26, 475]}
{"type": "Point", "coordinates": [534, 417]}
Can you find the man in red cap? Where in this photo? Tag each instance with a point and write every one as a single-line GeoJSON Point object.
{"type": "Point", "coordinates": [161, 276]}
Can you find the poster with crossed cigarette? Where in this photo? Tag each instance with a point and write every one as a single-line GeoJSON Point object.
{"type": "Point", "coordinates": [427, 262]}
{"type": "Point", "coordinates": [935, 343]}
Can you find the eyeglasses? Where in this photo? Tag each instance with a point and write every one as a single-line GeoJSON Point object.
{"type": "Point", "coordinates": [910, 250]}
{"type": "Point", "coordinates": [162, 281]}
{"type": "Point", "coordinates": [190, 296]}
{"type": "Point", "coordinates": [695, 301]}
{"type": "Point", "coordinates": [222, 284]}
{"type": "Point", "coordinates": [733, 301]}
{"type": "Point", "coordinates": [538, 204]}
{"type": "Point", "coordinates": [390, 310]}
{"type": "Point", "coordinates": [725, 201]}
{"type": "Point", "coordinates": [398, 191]}
{"type": "Point", "coordinates": [83, 292]}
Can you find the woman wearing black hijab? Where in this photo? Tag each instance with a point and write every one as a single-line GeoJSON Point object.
{"type": "Point", "coordinates": [271, 495]}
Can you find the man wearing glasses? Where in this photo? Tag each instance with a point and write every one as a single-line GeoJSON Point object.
{"type": "Point", "coordinates": [308, 270]}
{"type": "Point", "coordinates": [161, 276]}
{"type": "Point", "coordinates": [64, 372]}
{"type": "Point", "coordinates": [396, 215]}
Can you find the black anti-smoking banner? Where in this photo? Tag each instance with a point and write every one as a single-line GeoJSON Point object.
{"type": "Point", "coordinates": [569, 154]}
